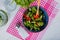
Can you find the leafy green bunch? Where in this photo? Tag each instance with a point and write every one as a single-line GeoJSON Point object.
{"type": "Point", "coordinates": [23, 3]}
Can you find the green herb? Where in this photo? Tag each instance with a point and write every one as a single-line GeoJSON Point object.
{"type": "Point", "coordinates": [23, 3]}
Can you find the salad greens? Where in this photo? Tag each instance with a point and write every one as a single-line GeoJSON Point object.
{"type": "Point", "coordinates": [30, 22]}
{"type": "Point", "coordinates": [23, 3]}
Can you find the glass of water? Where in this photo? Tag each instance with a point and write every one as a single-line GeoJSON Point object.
{"type": "Point", "coordinates": [10, 5]}
{"type": "Point", "coordinates": [3, 18]}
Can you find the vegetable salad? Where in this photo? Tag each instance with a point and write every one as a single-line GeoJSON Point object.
{"type": "Point", "coordinates": [33, 23]}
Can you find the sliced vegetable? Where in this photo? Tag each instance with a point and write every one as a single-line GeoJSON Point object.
{"type": "Point", "coordinates": [40, 23]}
{"type": "Point", "coordinates": [27, 23]}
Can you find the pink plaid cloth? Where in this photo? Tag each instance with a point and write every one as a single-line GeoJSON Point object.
{"type": "Point", "coordinates": [48, 5]}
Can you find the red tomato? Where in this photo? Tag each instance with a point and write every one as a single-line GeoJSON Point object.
{"type": "Point", "coordinates": [26, 17]}
{"type": "Point", "coordinates": [36, 16]}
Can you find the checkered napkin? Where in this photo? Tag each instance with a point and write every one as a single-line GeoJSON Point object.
{"type": "Point", "coordinates": [48, 5]}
